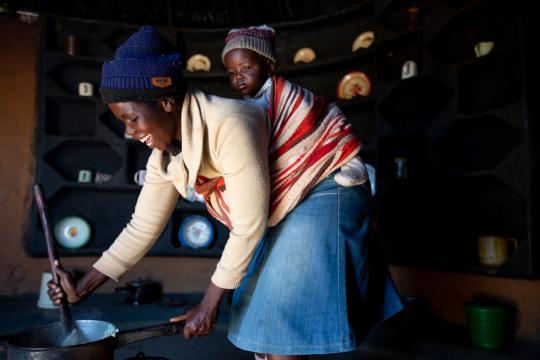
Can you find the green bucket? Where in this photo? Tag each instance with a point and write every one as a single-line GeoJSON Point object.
{"type": "Point", "coordinates": [490, 325]}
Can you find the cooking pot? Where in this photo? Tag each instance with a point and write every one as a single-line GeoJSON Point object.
{"type": "Point", "coordinates": [141, 291]}
{"type": "Point", "coordinates": [92, 339]}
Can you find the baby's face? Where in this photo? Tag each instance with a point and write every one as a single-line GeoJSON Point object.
{"type": "Point", "coordinates": [247, 70]}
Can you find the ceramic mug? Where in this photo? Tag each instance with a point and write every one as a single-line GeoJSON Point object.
{"type": "Point", "coordinates": [86, 89]}
{"type": "Point", "coordinates": [102, 177]}
{"type": "Point", "coordinates": [483, 48]}
{"type": "Point", "coordinates": [71, 45]}
{"type": "Point", "coordinates": [494, 250]}
{"type": "Point", "coordinates": [409, 69]}
{"type": "Point", "coordinates": [139, 177]}
{"type": "Point", "coordinates": [85, 176]}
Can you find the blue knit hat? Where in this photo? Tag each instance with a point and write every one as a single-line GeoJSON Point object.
{"type": "Point", "coordinates": [146, 67]}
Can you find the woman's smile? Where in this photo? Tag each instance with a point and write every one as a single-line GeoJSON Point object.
{"type": "Point", "coordinates": [147, 140]}
{"type": "Point", "coordinates": [153, 124]}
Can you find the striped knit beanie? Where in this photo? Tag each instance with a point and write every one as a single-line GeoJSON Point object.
{"type": "Point", "coordinates": [260, 39]}
{"type": "Point", "coordinates": [146, 67]}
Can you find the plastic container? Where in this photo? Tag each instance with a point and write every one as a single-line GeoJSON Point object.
{"type": "Point", "coordinates": [44, 302]}
{"type": "Point", "coordinates": [490, 325]}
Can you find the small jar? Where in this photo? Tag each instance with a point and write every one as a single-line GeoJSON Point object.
{"type": "Point", "coordinates": [400, 168]}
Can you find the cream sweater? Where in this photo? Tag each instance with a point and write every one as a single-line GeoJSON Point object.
{"type": "Point", "coordinates": [220, 137]}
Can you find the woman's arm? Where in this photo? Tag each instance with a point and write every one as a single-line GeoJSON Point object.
{"type": "Point", "coordinates": [155, 204]}
{"type": "Point", "coordinates": [242, 156]}
{"type": "Point", "coordinates": [75, 291]}
{"type": "Point", "coordinates": [201, 319]}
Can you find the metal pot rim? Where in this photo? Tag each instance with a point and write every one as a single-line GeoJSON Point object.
{"type": "Point", "coordinates": [109, 337]}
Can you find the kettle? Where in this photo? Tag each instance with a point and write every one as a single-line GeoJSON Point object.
{"type": "Point", "coordinates": [141, 291]}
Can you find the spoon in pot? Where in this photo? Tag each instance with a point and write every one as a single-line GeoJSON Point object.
{"type": "Point", "coordinates": [65, 312]}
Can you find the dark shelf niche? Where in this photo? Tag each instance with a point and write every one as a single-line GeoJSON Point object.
{"type": "Point", "coordinates": [138, 154]}
{"type": "Point", "coordinates": [393, 53]}
{"type": "Point", "coordinates": [455, 42]}
{"type": "Point", "coordinates": [414, 217]}
{"type": "Point", "coordinates": [105, 217]}
{"type": "Point", "coordinates": [415, 103]}
{"type": "Point", "coordinates": [113, 124]}
{"type": "Point", "coordinates": [436, 222]}
{"type": "Point", "coordinates": [118, 37]}
{"type": "Point", "coordinates": [69, 74]}
{"type": "Point", "coordinates": [489, 83]}
{"type": "Point", "coordinates": [279, 14]}
{"type": "Point", "coordinates": [476, 144]}
{"type": "Point", "coordinates": [208, 43]}
{"type": "Point", "coordinates": [330, 44]}
{"type": "Point", "coordinates": [396, 17]}
{"type": "Point", "coordinates": [363, 120]}
{"type": "Point", "coordinates": [499, 209]}
{"type": "Point", "coordinates": [460, 4]}
{"type": "Point", "coordinates": [358, 101]}
{"type": "Point", "coordinates": [364, 58]}
{"type": "Point", "coordinates": [221, 233]}
{"type": "Point", "coordinates": [350, 24]}
{"type": "Point", "coordinates": [411, 146]}
{"type": "Point", "coordinates": [74, 155]}
{"type": "Point", "coordinates": [70, 117]}
{"type": "Point", "coordinates": [87, 34]}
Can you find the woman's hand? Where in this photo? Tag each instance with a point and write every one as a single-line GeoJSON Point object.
{"type": "Point", "coordinates": [66, 289]}
{"type": "Point", "coordinates": [201, 319]}
{"type": "Point", "coordinates": [74, 291]}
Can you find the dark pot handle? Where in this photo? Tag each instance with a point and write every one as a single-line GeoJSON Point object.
{"type": "Point", "coordinates": [167, 329]}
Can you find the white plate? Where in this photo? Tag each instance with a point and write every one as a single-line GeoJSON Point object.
{"type": "Point", "coordinates": [72, 232]}
{"type": "Point", "coordinates": [305, 55]}
{"type": "Point", "coordinates": [198, 62]}
{"type": "Point", "coordinates": [196, 232]}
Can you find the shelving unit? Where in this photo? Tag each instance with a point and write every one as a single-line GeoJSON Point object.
{"type": "Point", "coordinates": [79, 132]}
{"type": "Point", "coordinates": [462, 125]}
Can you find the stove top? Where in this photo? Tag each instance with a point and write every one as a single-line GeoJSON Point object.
{"type": "Point", "coordinates": [142, 356]}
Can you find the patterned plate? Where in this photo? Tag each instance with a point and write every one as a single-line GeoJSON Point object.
{"type": "Point", "coordinates": [353, 84]}
{"type": "Point", "coordinates": [72, 232]}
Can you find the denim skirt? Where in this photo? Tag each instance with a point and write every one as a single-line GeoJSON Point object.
{"type": "Point", "coordinates": [318, 281]}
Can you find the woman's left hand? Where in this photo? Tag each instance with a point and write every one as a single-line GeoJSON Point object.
{"type": "Point", "coordinates": [201, 319]}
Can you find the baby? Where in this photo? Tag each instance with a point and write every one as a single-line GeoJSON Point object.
{"type": "Point", "coordinates": [250, 58]}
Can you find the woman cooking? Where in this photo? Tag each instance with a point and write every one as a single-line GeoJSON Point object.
{"type": "Point", "coordinates": [296, 247]}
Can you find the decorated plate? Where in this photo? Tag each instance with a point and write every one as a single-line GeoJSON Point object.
{"type": "Point", "coordinates": [353, 84]}
{"type": "Point", "coordinates": [72, 232]}
{"type": "Point", "coordinates": [305, 55]}
{"type": "Point", "coordinates": [196, 232]}
{"type": "Point", "coordinates": [363, 41]}
{"type": "Point", "coordinates": [198, 62]}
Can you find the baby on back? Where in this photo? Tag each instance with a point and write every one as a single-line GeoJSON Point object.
{"type": "Point", "coordinates": [250, 58]}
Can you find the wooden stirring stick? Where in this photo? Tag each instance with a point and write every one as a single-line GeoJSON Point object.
{"type": "Point", "coordinates": [65, 312]}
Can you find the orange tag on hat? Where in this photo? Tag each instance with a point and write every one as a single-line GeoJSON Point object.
{"type": "Point", "coordinates": [161, 82]}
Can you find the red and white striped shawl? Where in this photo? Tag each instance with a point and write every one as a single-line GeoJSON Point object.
{"type": "Point", "coordinates": [310, 138]}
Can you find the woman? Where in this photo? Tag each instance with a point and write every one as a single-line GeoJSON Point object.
{"type": "Point", "coordinates": [305, 252]}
